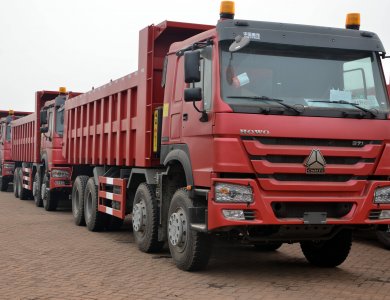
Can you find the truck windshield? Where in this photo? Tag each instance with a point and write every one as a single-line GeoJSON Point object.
{"type": "Point", "coordinates": [60, 121]}
{"type": "Point", "coordinates": [314, 80]}
{"type": "Point", "coordinates": [8, 133]}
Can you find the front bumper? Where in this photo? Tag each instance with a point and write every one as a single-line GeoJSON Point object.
{"type": "Point", "coordinates": [348, 208]}
{"type": "Point", "coordinates": [7, 169]}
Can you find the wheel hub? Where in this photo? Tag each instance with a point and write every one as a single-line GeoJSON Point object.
{"type": "Point", "coordinates": [139, 216]}
{"type": "Point", "coordinates": [177, 228]}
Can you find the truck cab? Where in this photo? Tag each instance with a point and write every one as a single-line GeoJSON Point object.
{"type": "Point", "coordinates": [283, 128]}
{"type": "Point", "coordinates": [6, 165]}
{"type": "Point", "coordinates": [53, 175]}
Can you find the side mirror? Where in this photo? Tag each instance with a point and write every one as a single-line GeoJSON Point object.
{"type": "Point", "coordinates": [192, 94]}
{"type": "Point", "coordinates": [192, 66]}
{"type": "Point", "coordinates": [43, 115]}
{"type": "Point", "coordinates": [44, 129]}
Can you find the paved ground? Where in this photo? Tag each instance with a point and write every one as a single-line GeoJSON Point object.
{"type": "Point", "coordinates": [45, 256]}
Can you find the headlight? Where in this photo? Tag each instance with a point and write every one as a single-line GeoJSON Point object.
{"type": "Point", "coordinates": [226, 192]}
{"type": "Point", "coordinates": [59, 174]}
{"type": "Point", "coordinates": [8, 166]}
{"type": "Point", "coordinates": [382, 195]}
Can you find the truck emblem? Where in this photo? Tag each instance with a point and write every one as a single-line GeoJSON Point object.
{"type": "Point", "coordinates": [315, 163]}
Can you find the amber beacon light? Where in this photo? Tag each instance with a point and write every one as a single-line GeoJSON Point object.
{"type": "Point", "coordinates": [353, 21]}
{"type": "Point", "coordinates": [227, 10]}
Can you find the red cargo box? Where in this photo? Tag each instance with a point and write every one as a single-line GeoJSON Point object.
{"type": "Point", "coordinates": [112, 125]}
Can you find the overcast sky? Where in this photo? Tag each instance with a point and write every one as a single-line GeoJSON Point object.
{"type": "Point", "coordinates": [45, 44]}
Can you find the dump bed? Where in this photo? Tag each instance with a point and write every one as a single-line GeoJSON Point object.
{"type": "Point", "coordinates": [112, 124]}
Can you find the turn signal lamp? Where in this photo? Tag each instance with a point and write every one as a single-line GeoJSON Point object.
{"type": "Point", "coordinates": [227, 10]}
{"type": "Point", "coordinates": [62, 90]}
{"type": "Point", "coordinates": [353, 21]}
{"type": "Point", "coordinates": [11, 112]}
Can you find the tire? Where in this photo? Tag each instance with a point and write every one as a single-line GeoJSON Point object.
{"type": "Point", "coordinates": [37, 189]}
{"type": "Point", "coordinates": [384, 237]}
{"type": "Point", "coordinates": [16, 183]}
{"type": "Point", "coordinates": [267, 247]}
{"type": "Point", "coordinates": [50, 198]}
{"type": "Point", "coordinates": [146, 219]}
{"type": "Point", "coordinates": [3, 184]}
{"type": "Point", "coordinates": [330, 253]}
{"type": "Point", "coordinates": [190, 249]}
{"type": "Point", "coordinates": [94, 219]}
{"type": "Point", "coordinates": [24, 193]}
{"type": "Point", "coordinates": [78, 191]}
{"type": "Point", "coordinates": [113, 223]}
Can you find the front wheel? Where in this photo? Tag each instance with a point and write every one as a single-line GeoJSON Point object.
{"type": "Point", "coordinates": [37, 189]}
{"type": "Point", "coordinates": [50, 198]}
{"type": "Point", "coordinates": [190, 249]}
{"type": "Point", "coordinates": [384, 237]}
{"type": "Point", "coordinates": [16, 183]}
{"type": "Point", "coordinates": [330, 253]}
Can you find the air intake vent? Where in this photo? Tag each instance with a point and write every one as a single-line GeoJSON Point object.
{"type": "Point", "coordinates": [374, 214]}
{"type": "Point", "coordinates": [249, 215]}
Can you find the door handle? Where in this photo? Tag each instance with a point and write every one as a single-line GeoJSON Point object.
{"type": "Point", "coordinates": [185, 117]}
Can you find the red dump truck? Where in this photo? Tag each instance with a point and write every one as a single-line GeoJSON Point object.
{"type": "Point", "coordinates": [37, 154]}
{"type": "Point", "coordinates": [7, 165]}
{"type": "Point", "coordinates": [264, 132]}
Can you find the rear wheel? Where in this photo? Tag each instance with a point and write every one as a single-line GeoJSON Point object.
{"type": "Point", "coordinates": [78, 192]}
{"type": "Point", "coordinates": [384, 237]}
{"type": "Point", "coordinates": [50, 198]}
{"type": "Point", "coordinates": [94, 219]}
{"type": "Point", "coordinates": [330, 253]}
{"type": "Point", "coordinates": [190, 249]}
{"type": "Point", "coordinates": [37, 189]}
{"type": "Point", "coordinates": [145, 219]}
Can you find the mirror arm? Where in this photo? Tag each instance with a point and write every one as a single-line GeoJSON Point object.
{"type": "Point", "coordinates": [204, 117]}
{"type": "Point", "coordinates": [384, 56]}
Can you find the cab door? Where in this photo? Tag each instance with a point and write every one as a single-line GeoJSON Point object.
{"type": "Point", "coordinates": [197, 133]}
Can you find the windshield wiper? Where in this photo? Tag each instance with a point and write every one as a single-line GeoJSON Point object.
{"type": "Point", "coordinates": [367, 111]}
{"type": "Point", "coordinates": [265, 98]}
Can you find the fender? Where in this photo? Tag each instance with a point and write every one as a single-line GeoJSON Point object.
{"type": "Point", "coordinates": [180, 153]}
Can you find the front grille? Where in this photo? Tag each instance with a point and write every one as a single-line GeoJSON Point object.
{"type": "Point", "coordinates": [297, 209]}
{"type": "Point", "coordinates": [249, 215]}
{"type": "Point", "coordinates": [374, 214]}
{"type": "Point", "coordinates": [290, 159]}
{"type": "Point", "coordinates": [312, 142]}
{"type": "Point", "coordinates": [310, 177]}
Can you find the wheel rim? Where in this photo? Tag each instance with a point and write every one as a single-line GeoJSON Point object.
{"type": "Point", "coordinates": [139, 216]}
{"type": "Point", "coordinates": [88, 206]}
{"type": "Point", "coordinates": [177, 229]}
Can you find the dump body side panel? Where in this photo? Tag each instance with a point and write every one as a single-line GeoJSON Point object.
{"type": "Point", "coordinates": [112, 124]}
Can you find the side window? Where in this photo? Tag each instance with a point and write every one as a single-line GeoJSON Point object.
{"type": "Point", "coordinates": [206, 76]}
